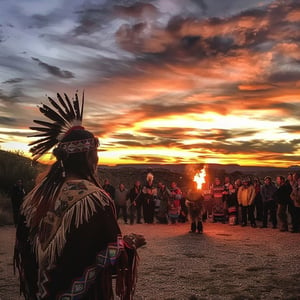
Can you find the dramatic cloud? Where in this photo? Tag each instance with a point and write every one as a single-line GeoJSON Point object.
{"type": "Point", "coordinates": [53, 70]}
{"type": "Point", "coordinates": [166, 81]}
{"type": "Point", "coordinates": [13, 80]}
{"type": "Point", "coordinates": [7, 120]}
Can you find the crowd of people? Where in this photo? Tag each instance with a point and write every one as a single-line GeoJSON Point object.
{"type": "Point", "coordinates": [244, 201]}
{"type": "Point", "coordinates": [147, 202]}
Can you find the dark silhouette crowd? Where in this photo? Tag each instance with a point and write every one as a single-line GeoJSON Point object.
{"type": "Point", "coordinates": [246, 201]}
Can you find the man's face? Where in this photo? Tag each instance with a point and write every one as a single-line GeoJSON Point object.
{"type": "Point", "coordinates": [93, 159]}
{"type": "Point", "coordinates": [278, 180]}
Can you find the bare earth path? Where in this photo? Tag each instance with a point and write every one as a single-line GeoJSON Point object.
{"type": "Point", "coordinates": [226, 262]}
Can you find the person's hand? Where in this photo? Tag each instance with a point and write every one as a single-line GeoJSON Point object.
{"type": "Point", "coordinates": [135, 240]}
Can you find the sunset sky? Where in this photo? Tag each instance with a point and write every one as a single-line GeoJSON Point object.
{"type": "Point", "coordinates": [165, 81]}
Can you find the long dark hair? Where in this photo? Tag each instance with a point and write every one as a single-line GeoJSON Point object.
{"type": "Point", "coordinates": [43, 197]}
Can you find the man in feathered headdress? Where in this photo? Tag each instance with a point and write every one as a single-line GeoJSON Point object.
{"type": "Point", "coordinates": [149, 194]}
{"type": "Point", "coordinates": [68, 243]}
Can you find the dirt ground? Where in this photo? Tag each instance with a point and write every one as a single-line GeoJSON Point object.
{"type": "Point", "coordinates": [226, 262]}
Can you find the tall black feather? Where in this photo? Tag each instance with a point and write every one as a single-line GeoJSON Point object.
{"type": "Point", "coordinates": [63, 103]}
{"type": "Point", "coordinates": [72, 113]}
{"type": "Point", "coordinates": [51, 114]}
{"type": "Point", "coordinates": [59, 109]}
{"type": "Point", "coordinates": [82, 104]}
{"type": "Point", "coordinates": [76, 107]}
{"type": "Point", "coordinates": [47, 124]}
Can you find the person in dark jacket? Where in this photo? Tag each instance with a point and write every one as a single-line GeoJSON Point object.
{"type": "Point", "coordinates": [135, 202]}
{"type": "Point", "coordinates": [109, 189]}
{"type": "Point", "coordinates": [282, 196]}
{"type": "Point", "coordinates": [269, 205]}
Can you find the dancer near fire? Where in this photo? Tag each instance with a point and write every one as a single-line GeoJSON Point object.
{"type": "Point", "coordinates": [194, 203]}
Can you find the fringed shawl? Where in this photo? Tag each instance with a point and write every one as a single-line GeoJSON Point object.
{"type": "Point", "coordinates": [76, 248]}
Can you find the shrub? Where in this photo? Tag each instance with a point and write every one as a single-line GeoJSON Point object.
{"type": "Point", "coordinates": [14, 166]}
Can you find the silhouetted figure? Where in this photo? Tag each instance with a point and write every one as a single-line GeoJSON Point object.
{"type": "Point", "coordinates": [135, 200]}
{"type": "Point", "coordinates": [194, 203]}
{"type": "Point", "coordinates": [17, 196]}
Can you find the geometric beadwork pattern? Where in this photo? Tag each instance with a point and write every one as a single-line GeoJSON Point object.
{"type": "Point", "coordinates": [104, 258]}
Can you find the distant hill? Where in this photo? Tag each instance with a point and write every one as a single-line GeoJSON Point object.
{"type": "Point", "coordinates": [255, 170]}
{"type": "Point", "coordinates": [14, 166]}
{"type": "Point", "coordinates": [183, 173]}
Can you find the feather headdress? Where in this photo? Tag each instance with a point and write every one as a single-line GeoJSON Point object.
{"type": "Point", "coordinates": [65, 116]}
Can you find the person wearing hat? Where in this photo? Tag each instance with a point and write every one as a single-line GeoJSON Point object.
{"type": "Point", "coordinates": [245, 196]}
{"type": "Point", "coordinates": [268, 190]}
{"type": "Point", "coordinates": [68, 241]}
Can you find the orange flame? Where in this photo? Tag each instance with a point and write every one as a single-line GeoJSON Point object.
{"type": "Point", "coordinates": [199, 178]}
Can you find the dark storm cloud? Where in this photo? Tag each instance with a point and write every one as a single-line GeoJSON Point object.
{"type": "Point", "coordinates": [137, 10]}
{"type": "Point", "coordinates": [291, 108]}
{"type": "Point", "coordinates": [167, 133]}
{"type": "Point", "coordinates": [2, 39]}
{"type": "Point", "coordinates": [161, 109]}
{"type": "Point", "coordinates": [13, 80]}
{"type": "Point", "coordinates": [172, 135]}
{"type": "Point", "coordinates": [220, 44]}
{"type": "Point", "coordinates": [154, 142]}
{"type": "Point", "coordinates": [127, 136]}
{"type": "Point", "coordinates": [5, 98]}
{"type": "Point", "coordinates": [202, 4]}
{"type": "Point", "coordinates": [129, 143]}
{"type": "Point", "coordinates": [254, 146]}
{"type": "Point", "coordinates": [151, 159]}
{"type": "Point", "coordinates": [245, 147]}
{"type": "Point", "coordinates": [14, 96]}
{"type": "Point", "coordinates": [7, 121]}
{"type": "Point", "coordinates": [291, 128]}
{"type": "Point", "coordinates": [53, 70]}
{"type": "Point", "coordinates": [209, 37]}
{"type": "Point", "coordinates": [13, 133]}
{"type": "Point", "coordinates": [41, 21]}
{"type": "Point", "coordinates": [294, 158]}
{"type": "Point", "coordinates": [149, 138]}
{"type": "Point", "coordinates": [285, 76]}
{"type": "Point", "coordinates": [91, 19]}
